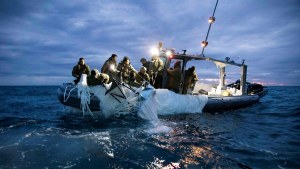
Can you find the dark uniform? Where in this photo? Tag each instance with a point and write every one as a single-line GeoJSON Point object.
{"type": "Point", "coordinates": [93, 81]}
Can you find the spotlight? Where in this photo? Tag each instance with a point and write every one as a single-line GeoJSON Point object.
{"type": "Point", "coordinates": [154, 52]}
{"type": "Point", "coordinates": [168, 53]}
{"type": "Point", "coordinates": [204, 44]}
{"type": "Point", "coordinates": [211, 19]}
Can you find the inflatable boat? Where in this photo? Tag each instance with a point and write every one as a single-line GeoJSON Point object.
{"type": "Point", "coordinates": [70, 97]}
{"type": "Point", "coordinates": [211, 98]}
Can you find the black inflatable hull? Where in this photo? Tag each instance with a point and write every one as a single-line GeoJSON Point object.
{"type": "Point", "coordinates": [214, 104]}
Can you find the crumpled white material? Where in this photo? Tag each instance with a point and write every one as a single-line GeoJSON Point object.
{"type": "Point", "coordinates": [84, 95]}
{"type": "Point", "coordinates": [165, 102]}
{"type": "Point", "coordinates": [109, 105]}
{"type": "Point", "coordinates": [159, 102]}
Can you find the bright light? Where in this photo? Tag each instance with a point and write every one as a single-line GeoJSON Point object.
{"type": "Point", "coordinates": [112, 68]}
{"type": "Point", "coordinates": [154, 52]}
{"type": "Point", "coordinates": [168, 53]}
{"type": "Point", "coordinates": [204, 44]}
{"type": "Point", "coordinates": [211, 19]}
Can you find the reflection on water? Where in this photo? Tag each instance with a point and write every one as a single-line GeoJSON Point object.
{"type": "Point", "coordinates": [35, 132]}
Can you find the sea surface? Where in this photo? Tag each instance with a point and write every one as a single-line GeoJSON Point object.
{"type": "Point", "coordinates": [37, 131]}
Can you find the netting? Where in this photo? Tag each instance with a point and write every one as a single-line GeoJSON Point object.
{"type": "Point", "coordinates": [115, 98]}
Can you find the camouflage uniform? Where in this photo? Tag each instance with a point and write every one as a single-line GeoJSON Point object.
{"type": "Point", "coordinates": [107, 68]}
{"type": "Point", "coordinates": [147, 66]}
{"type": "Point", "coordinates": [174, 79]}
{"type": "Point", "coordinates": [98, 79]}
{"type": "Point", "coordinates": [156, 71]}
{"type": "Point", "coordinates": [125, 70]}
{"type": "Point", "coordinates": [78, 70]}
{"type": "Point", "coordinates": [141, 77]}
{"type": "Point", "coordinates": [190, 79]}
{"type": "Point", "coordinates": [104, 78]}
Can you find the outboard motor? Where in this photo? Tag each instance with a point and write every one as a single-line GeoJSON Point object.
{"type": "Point", "coordinates": [252, 88]}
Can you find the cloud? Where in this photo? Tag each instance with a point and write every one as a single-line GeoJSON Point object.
{"type": "Point", "coordinates": [40, 39]}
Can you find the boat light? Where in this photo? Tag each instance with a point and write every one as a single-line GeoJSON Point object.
{"type": "Point", "coordinates": [211, 19]}
{"type": "Point", "coordinates": [204, 44]}
{"type": "Point", "coordinates": [154, 51]}
{"type": "Point", "coordinates": [168, 53]}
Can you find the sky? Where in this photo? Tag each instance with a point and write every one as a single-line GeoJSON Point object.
{"type": "Point", "coordinates": [41, 41]}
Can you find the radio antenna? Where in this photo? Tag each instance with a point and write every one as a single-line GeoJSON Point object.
{"type": "Point", "coordinates": [210, 20]}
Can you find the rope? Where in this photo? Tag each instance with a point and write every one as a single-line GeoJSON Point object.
{"type": "Point", "coordinates": [84, 95]}
{"type": "Point", "coordinates": [130, 105]}
{"type": "Point", "coordinates": [85, 99]}
{"type": "Point", "coordinates": [65, 100]}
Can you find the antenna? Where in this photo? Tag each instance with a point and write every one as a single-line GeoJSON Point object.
{"type": "Point", "coordinates": [210, 20]}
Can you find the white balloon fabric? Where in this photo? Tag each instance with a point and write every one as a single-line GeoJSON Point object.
{"type": "Point", "coordinates": [148, 104]}
{"type": "Point", "coordinates": [165, 102]}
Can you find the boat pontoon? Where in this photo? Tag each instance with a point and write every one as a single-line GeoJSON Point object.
{"type": "Point", "coordinates": [220, 98]}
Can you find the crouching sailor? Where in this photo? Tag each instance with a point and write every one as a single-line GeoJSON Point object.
{"type": "Point", "coordinates": [142, 76]}
{"type": "Point", "coordinates": [97, 78]}
{"type": "Point", "coordinates": [79, 69]}
{"type": "Point", "coordinates": [126, 70]}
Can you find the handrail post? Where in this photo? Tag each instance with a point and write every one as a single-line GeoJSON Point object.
{"type": "Point", "coordinates": [222, 77]}
{"type": "Point", "coordinates": [243, 79]}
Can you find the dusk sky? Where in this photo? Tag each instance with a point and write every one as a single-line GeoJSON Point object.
{"type": "Point", "coordinates": [41, 40]}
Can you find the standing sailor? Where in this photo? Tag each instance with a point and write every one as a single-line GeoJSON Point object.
{"type": "Point", "coordinates": [110, 66]}
{"type": "Point", "coordinates": [175, 77]}
{"type": "Point", "coordinates": [190, 80]}
{"type": "Point", "coordinates": [156, 71]}
{"type": "Point", "coordinates": [145, 64]}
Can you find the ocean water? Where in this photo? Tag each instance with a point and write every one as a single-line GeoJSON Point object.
{"type": "Point", "coordinates": [37, 131]}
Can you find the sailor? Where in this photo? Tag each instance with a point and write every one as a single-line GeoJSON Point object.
{"type": "Point", "coordinates": [110, 65]}
{"type": "Point", "coordinates": [79, 69]}
{"type": "Point", "coordinates": [146, 64]}
{"type": "Point", "coordinates": [126, 70]}
{"type": "Point", "coordinates": [156, 71]}
{"type": "Point", "coordinates": [190, 79]}
{"type": "Point", "coordinates": [104, 78]}
{"type": "Point", "coordinates": [175, 77]}
{"type": "Point", "coordinates": [93, 79]}
{"type": "Point", "coordinates": [142, 76]}
{"type": "Point", "coordinates": [97, 78]}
